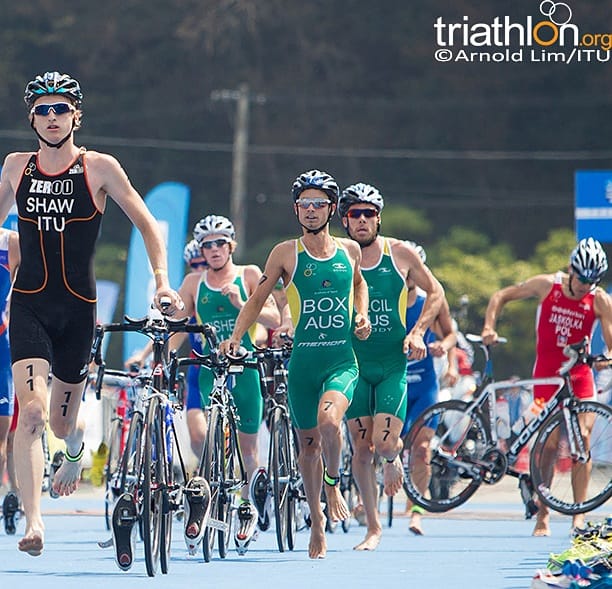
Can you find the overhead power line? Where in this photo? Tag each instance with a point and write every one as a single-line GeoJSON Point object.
{"type": "Point", "coordinates": [355, 152]}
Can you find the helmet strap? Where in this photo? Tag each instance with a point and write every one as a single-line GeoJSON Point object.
{"type": "Point", "coordinates": [49, 144]}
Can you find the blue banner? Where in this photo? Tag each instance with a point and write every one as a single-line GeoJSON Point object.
{"type": "Point", "coordinates": [593, 190]}
{"type": "Point", "coordinates": [169, 204]}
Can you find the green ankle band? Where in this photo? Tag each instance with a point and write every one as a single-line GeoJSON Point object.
{"type": "Point", "coordinates": [79, 455]}
{"type": "Point", "coordinates": [417, 509]}
{"type": "Point", "coordinates": [329, 480]}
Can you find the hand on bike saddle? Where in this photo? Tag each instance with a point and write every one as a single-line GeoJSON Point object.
{"type": "Point", "coordinates": [489, 336]}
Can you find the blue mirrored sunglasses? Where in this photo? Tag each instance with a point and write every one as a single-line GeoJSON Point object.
{"type": "Point", "coordinates": [207, 245]}
{"type": "Point", "coordinates": [59, 108]}
{"type": "Point", "coordinates": [317, 203]}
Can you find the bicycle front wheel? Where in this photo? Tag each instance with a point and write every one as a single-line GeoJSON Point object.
{"type": "Point", "coordinates": [445, 444]}
{"type": "Point", "coordinates": [211, 466]}
{"type": "Point", "coordinates": [280, 471]}
{"type": "Point", "coordinates": [112, 468]}
{"type": "Point", "coordinates": [152, 487]}
{"type": "Point", "coordinates": [565, 483]}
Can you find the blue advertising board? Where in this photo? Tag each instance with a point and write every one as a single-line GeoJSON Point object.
{"type": "Point", "coordinates": [593, 213]}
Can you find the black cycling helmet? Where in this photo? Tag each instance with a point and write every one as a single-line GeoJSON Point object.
{"type": "Point", "coordinates": [316, 179]}
{"type": "Point", "coordinates": [358, 194]}
{"type": "Point", "coordinates": [53, 83]}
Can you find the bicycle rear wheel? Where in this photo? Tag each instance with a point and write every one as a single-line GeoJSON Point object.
{"type": "Point", "coordinates": [347, 482]}
{"type": "Point", "coordinates": [152, 487]}
{"type": "Point", "coordinates": [168, 477]}
{"type": "Point", "coordinates": [556, 475]}
{"type": "Point", "coordinates": [446, 443]}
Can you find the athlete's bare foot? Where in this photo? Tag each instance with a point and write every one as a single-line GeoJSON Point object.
{"type": "Point", "coordinates": [393, 476]}
{"type": "Point", "coordinates": [32, 543]}
{"type": "Point", "coordinates": [542, 526]}
{"type": "Point", "coordinates": [577, 522]}
{"type": "Point", "coordinates": [415, 524]}
{"type": "Point", "coordinates": [66, 479]}
{"type": "Point", "coordinates": [336, 505]}
{"type": "Point", "coordinates": [317, 546]}
{"type": "Point", "coordinates": [371, 540]}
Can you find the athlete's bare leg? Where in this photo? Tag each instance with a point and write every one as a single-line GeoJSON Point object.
{"type": "Point", "coordinates": [421, 475]}
{"type": "Point", "coordinates": [65, 424]}
{"type": "Point", "coordinates": [311, 467]}
{"type": "Point", "coordinates": [30, 379]}
{"type": "Point", "coordinates": [250, 454]}
{"type": "Point", "coordinates": [196, 425]}
{"type": "Point", "coordinates": [5, 424]}
{"type": "Point", "coordinates": [364, 472]}
{"type": "Point", "coordinates": [388, 444]}
{"type": "Point", "coordinates": [332, 407]}
{"type": "Point", "coordinates": [581, 473]}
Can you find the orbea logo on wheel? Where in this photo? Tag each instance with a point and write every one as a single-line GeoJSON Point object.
{"type": "Point", "coordinates": [550, 37]}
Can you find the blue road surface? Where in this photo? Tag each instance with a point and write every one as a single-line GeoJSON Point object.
{"type": "Point", "coordinates": [485, 544]}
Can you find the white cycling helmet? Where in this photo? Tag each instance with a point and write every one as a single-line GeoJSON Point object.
{"type": "Point", "coordinates": [192, 251]}
{"type": "Point", "coordinates": [213, 225]}
{"type": "Point", "coordinates": [357, 194]}
{"type": "Point", "coordinates": [589, 260]}
{"type": "Point", "coordinates": [419, 250]}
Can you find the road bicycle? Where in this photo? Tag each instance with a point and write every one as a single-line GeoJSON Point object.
{"type": "Point", "coordinates": [284, 480]}
{"type": "Point", "coordinates": [463, 444]}
{"type": "Point", "coordinates": [151, 453]}
{"type": "Point", "coordinates": [221, 463]}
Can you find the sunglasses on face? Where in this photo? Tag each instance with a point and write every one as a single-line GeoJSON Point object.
{"type": "Point", "coordinates": [585, 281]}
{"type": "Point", "coordinates": [208, 245]}
{"type": "Point", "coordinates": [197, 264]}
{"type": "Point", "coordinates": [317, 203]}
{"type": "Point", "coordinates": [367, 213]}
{"type": "Point", "coordinates": [60, 108]}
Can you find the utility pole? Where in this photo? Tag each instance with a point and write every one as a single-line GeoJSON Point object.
{"type": "Point", "coordinates": [238, 203]}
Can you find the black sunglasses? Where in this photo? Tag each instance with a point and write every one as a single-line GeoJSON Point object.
{"type": "Point", "coordinates": [198, 264]}
{"type": "Point", "coordinates": [207, 245]}
{"type": "Point", "coordinates": [367, 213]}
{"type": "Point", "coordinates": [59, 108]}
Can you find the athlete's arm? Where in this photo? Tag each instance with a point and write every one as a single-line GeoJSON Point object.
{"type": "Point", "coordinates": [361, 300]}
{"type": "Point", "coordinates": [12, 169]}
{"type": "Point", "coordinates": [276, 267]}
{"type": "Point", "coordinates": [603, 311]}
{"type": "Point", "coordinates": [14, 254]}
{"type": "Point", "coordinates": [108, 177]}
{"type": "Point", "coordinates": [269, 316]}
{"type": "Point", "coordinates": [536, 286]}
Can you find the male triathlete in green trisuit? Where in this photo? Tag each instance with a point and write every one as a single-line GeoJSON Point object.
{"type": "Point", "coordinates": [328, 299]}
{"type": "Point", "coordinates": [378, 410]}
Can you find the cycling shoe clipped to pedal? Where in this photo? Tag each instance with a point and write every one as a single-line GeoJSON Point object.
{"type": "Point", "coordinates": [196, 502]}
{"type": "Point", "coordinates": [247, 527]}
{"type": "Point", "coordinates": [58, 458]}
{"type": "Point", "coordinates": [10, 511]}
{"type": "Point", "coordinates": [125, 516]}
{"type": "Point", "coordinates": [260, 498]}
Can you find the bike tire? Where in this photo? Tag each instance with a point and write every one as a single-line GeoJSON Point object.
{"type": "Point", "coordinates": [279, 473]}
{"type": "Point", "coordinates": [210, 469]}
{"type": "Point", "coordinates": [168, 477]}
{"type": "Point", "coordinates": [152, 487]}
{"type": "Point", "coordinates": [293, 496]}
{"type": "Point", "coordinates": [112, 468]}
{"type": "Point", "coordinates": [447, 422]}
{"type": "Point", "coordinates": [554, 485]}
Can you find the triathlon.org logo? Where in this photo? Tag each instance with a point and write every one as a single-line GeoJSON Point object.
{"type": "Point", "coordinates": [551, 39]}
